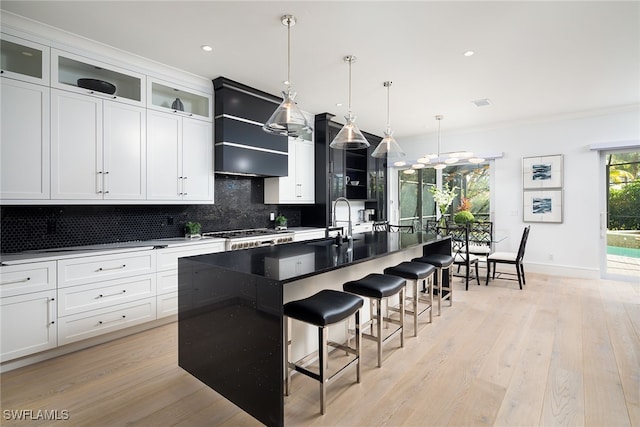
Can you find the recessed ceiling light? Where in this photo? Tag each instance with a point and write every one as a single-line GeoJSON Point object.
{"type": "Point", "coordinates": [206, 48]}
{"type": "Point", "coordinates": [469, 53]}
{"type": "Point", "coordinates": [481, 102]}
{"type": "Point", "coordinates": [339, 104]}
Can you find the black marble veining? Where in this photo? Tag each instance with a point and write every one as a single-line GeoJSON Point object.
{"type": "Point", "coordinates": [230, 319]}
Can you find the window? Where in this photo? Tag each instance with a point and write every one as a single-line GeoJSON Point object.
{"type": "Point", "coordinates": [416, 201]}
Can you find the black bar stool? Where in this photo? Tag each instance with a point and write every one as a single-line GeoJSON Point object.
{"type": "Point", "coordinates": [416, 272]}
{"type": "Point", "coordinates": [441, 262]}
{"type": "Point", "coordinates": [323, 309]}
{"type": "Point", "coordinates": [378, 287]}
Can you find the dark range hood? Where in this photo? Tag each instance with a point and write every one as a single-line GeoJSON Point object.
{"type": "Point", "coordinates": [241, 146]}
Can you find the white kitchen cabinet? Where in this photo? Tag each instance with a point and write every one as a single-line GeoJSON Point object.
{"type": "Point", "coordinates": [167, 280]}
{"type": "Point", "coordinates": [24, 60]}
{"type": "Point", "coordinates": [298, 187]}
{"type": "Point", "coordinates": [163, 96]}
{"type": "Point", "coordinates": [92, 323]}
{"type": "Point", "coordinates": [27, 309]}
{"type": "Point", "coordinates": [280, 268]}
{"type": "Point", "coordinates": [24, 152]}
{"type": "Point", "coordinates": [301, 236]}
{"type": "Point", "coordinates": [67, 68]}
{"type": "Point", "coordinates": [179, 158]}
{"type": "Point", "coordinates": [100, 268]}
{"type": "Point", "coordinates": [98, 149]}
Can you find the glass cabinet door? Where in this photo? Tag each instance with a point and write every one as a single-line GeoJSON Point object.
{"type": "Point", "coordinates": [24, 60]}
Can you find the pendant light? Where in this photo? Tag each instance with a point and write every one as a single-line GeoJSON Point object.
{"type": "Point", "coordinates": [288, 120]}
{"type": "Point", "coordinates": [388, 147]}
{"type": "Point", "coordinates": [440, 164]}
{"type": "Point", "coordinates": [349, 137]}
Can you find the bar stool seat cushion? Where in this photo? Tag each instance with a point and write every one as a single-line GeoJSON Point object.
{"type": "Point", "coordinates": [411, 270]}
{"type": "Point", "coordinates": [375, 285]}
{"type": "Point", "coordinates": [437, 260]}
{"type": "Point", "coordinates": [324, 308]}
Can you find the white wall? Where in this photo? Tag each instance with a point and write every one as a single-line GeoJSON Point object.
{"type": "Point", "coordinates": [571, 248]}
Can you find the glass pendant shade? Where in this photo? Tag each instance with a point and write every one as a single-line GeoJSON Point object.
{"type": "Point", "coordinates": [388, 147]}
{"type": "Point", "coordinates": [288, 119]}
{"type": "Point", "coordinates": [349, 137]}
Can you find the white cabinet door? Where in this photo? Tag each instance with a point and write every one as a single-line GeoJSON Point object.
{"type": "Point", "coordinates": [197, 160]}
{"type": "Point", "coordinates": [305, 169]}
{"type": "Point", "coordinates": [179, 158]}
{"type": "Point", "coordinates": [164, 156]}
{"type": "Point", "coordinates": [76, 146]}
{"type": "Point", "coordinates": [98, 149]}
{"type": "Point", "coordinates": [298, 186]}
{"type": "Point", "coordinates": [27, 324]}
{"type": "Point", "coordinates": [125, 151]}
{"type": "Point", "coordinates": [24, 152]}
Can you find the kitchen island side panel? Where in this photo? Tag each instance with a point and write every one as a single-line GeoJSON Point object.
{"type": "Point", "coordinates": [230, 336]}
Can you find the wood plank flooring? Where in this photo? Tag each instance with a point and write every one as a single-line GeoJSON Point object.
{"type": "Point", "coordinates": [562, 352]}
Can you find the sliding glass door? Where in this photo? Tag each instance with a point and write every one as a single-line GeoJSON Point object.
{"type": "Point", "coordinates": [622, 172]}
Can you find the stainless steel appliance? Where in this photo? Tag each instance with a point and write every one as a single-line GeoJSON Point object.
{"type": "Point", "coordinates": [251, 238]}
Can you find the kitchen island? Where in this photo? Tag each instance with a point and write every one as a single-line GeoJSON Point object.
{"type": "Point", "coordinates": [230, 319]}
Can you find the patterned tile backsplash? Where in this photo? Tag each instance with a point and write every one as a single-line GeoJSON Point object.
{"type": "Point", "coordinates": [239, 203]}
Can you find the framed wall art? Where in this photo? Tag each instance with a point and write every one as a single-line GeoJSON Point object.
{"type": "Point", "coordinates": [542, 205]}
{"type": "Point", "coordinates": [542, 172]}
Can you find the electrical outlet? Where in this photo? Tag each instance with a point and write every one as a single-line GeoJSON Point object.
{"type": "Point", "coordinates": [272, 216]}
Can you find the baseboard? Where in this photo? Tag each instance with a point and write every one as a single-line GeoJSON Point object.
{"type": "Point", "coordinates": [561, 270]}
{"type": "Point", "coordinates": [80, 345]}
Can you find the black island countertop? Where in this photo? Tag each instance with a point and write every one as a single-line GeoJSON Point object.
{"type": "Point", "coordinates": [230, 307]}
{"type": "Point", "coordinates": [327, 256]}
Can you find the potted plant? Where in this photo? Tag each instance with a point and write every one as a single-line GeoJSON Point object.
{"type": "Point", "coordinates": [192, 230]}
{"type": "Point", "coordinates": [281, 222]}
{"type": "Point", "coordinates": [464, 215]}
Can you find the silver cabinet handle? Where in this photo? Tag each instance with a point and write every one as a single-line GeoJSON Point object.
{"type": "Point", "coordinates": [112, 268]}
{"type": "Point", "coordinates": [26, 279]}
{"type": "Point", "coordinates": [93, 92]}
{"type": "Point", "coordinates": [51, 319]}
{"type": "Point", "coordinates": [105, 182]}
{"type": "Point", "coordinates": [111, 321]}
{"type": "Point", "coordinates": [180, 185]}
{"type": "Point", "coordinates": [184, 185]}
{"type": "Point", "coordinates": [182, 113]}
{"type": "Point", "coordinates": [124, 291]}
{"type": "Point", "coordinates": [99, 182]}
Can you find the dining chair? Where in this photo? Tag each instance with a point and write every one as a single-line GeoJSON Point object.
{"type": "Point", "coordinates": [514, 258]}
{"type": "Point", "coordinates": [462, 256]}
{"type": "Point", "coordinates": [385, 226]}
{"type": "Point", "coordinates": [380, 226]}
{"type": "Point", "coordinates": [481, 238]}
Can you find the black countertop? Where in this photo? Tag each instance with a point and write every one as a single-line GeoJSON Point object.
{"type": "Point", "coordinates": [326, 255]}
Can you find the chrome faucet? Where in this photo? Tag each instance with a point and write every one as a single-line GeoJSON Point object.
{"type": "Point", "coordinates": [350, 227]}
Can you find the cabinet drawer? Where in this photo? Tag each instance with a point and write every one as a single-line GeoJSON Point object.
{"type": "Point", "coordinates": [27, 324]}
{"type": "Point", "coordinates": [168, 258]}
{"type": "Point", "coordinates": [167, 281]}
{"type": "Point", "coordinates": [167, 304]}
{"type": "Point", "coordinates": [81, 326]}
{"type": "Point", "coordinates": [77, 299]}
{"type": "Point", "coordinates": [27, 278]}
{"type": "Point", "coordinates": [79, 271]}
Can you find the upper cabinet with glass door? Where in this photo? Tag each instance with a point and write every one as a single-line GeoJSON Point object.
{"type": "Point", "coordinates": [187, 102]}
{"type": "Point", "coordinates": [102, 80]}
{"type": "Point", "coordinates": [24, 60]}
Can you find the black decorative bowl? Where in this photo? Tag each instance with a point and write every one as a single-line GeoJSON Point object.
{"type": "Point", "coordinates": [97, 85]}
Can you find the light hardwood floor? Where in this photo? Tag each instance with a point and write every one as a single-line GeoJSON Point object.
{"type": "Point", "coordinates": [561, 352]}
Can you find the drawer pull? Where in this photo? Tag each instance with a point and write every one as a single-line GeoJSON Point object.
{"type": "Point", "coordinates": [51, 311]}
{"type": "Point", "coordinates": [16, 281]}
{"type": "Point", "coordinates": [111, 321]}
{"type": "Point", "coordinates": [112, 295]}
{"type": "Point", "coordinates": [112, 268]}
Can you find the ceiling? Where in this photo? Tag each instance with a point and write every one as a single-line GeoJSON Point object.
{"type": "Point", "coordinates": [533, 60]}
